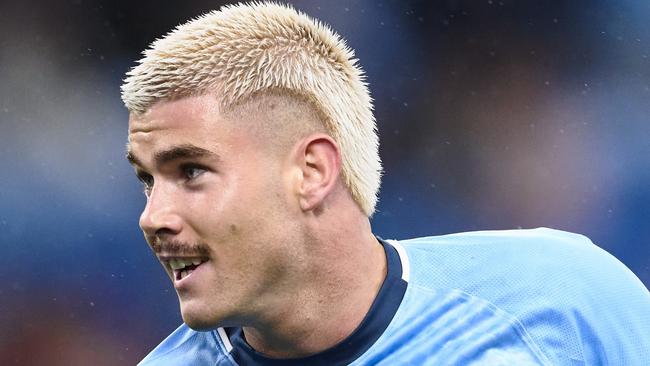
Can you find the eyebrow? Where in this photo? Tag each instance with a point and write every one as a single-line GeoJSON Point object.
{"type": "Point", "coordinates": [179, 152]}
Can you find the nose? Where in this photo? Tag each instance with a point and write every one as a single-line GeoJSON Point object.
{"type": "Point", "coordinates": [160, 215]}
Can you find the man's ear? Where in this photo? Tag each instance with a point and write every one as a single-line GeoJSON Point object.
{"type": "Point", "coordinates": [318, 159]}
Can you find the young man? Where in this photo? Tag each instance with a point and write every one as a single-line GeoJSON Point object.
{"type": "Point", "coordinates": [252, 131]}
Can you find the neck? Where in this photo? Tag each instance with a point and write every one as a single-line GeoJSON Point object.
{"type": "Point", "coordinates": [334, 294]}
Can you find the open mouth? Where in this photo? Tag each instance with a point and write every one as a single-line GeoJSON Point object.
{"type": "Point", "coordinates": [183, 267]}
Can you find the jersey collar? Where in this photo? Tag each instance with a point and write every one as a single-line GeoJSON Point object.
{"type": "Point", "coordinates": [373, 325]}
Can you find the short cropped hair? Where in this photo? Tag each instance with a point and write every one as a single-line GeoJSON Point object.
{"type": "Point", "coordinates": [246, 49]}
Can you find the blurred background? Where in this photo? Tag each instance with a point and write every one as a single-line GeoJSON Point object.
{"type": "Point", "coordinates": [493, 114]}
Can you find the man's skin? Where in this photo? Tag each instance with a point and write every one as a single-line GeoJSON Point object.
{"type": "Point", "coordinates": [286, 252]}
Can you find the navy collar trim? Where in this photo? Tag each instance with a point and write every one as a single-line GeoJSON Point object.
{"type": "Point", "coordinates": [381, 313]}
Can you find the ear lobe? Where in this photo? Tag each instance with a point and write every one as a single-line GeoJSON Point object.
{"type": "Point", "coordinates": [320, 166]}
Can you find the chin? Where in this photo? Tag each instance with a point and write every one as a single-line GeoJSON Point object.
{"type": "Point", "coordinates": [199, 323]}
{"type": "Point", "coordinates": [199, 319]}
{"type": "Point", "coordinates": [200, 326]}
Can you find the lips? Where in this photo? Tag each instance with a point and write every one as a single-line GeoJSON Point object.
{"type": "Point", "coordinates": [183, 267]}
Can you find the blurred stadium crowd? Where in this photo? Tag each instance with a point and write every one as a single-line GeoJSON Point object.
{"type": "Point", "coordinates": [493, 114]}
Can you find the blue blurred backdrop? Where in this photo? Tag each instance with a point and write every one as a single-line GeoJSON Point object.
{"type": "Point", "coordinates": [493, 114]}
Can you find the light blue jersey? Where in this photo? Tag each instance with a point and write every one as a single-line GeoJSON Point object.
{"type": "Point", "coordinates": [522, 297]}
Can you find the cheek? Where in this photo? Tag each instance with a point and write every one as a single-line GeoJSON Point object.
{"type": "Point", "coordinates": [229, 212]}
{"type": "Point", "coordinates": [261, 191]}
{"type": "Point", "coordinates": [245, 207]}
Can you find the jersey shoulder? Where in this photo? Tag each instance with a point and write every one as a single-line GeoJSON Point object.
{"type": "Point", "coordinates": [544, 259]}
{"type": "Point", "coordinates": [569, 295]}
{"type": "Point", "coordinates": [184, 344]}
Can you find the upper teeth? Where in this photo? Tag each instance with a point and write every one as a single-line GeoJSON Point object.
{"type": "Point", "coordinates": [180, 263]}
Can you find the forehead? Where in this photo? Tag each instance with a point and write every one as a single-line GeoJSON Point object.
{"type": "Point", "coordinates": [190, 112]}
{"type": "Point", "coordinates": [195, 120]}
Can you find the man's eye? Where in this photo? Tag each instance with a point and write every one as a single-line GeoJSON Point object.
{"type": "Point", "coordinates": [147, 182]}
{"type": "Point", "coordinates": [192, 172]}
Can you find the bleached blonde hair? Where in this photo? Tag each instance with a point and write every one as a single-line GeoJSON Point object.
{"type": "Point", "coordinates": [244, 49]}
